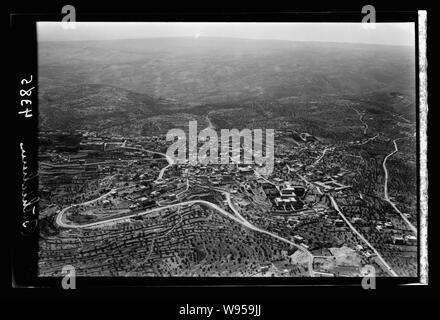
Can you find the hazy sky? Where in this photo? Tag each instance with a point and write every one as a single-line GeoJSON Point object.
{"type": "Point", "coordinates": [384, 33]}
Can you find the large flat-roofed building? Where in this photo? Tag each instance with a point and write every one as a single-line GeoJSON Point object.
{"type": "Point", "coordinates": [288, 192]}
{"type": "Point", "coordinates": [288, 203]}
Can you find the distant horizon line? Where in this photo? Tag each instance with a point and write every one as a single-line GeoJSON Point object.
{"type": "Point", "coordinates": [235, 38]}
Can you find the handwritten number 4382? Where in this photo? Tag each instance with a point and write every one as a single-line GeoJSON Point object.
{"type": "Point", "coordinates": [26, 93]}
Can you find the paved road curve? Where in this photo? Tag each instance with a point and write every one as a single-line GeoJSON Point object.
{"type": "Point", "coordinates": [60, 220]}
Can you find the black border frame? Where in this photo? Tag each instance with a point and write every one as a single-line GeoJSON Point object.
{"type": "Point", "coordinates": [23, 39]}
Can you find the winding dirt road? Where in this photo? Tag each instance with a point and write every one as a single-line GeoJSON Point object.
{"type": "Point", "coordinates": [385, 188]}
{"type": "Point", "coordinates": [361, 119]}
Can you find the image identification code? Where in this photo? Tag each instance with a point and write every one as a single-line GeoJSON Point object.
{"type": "Point", "coordinates": [226, 309]}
